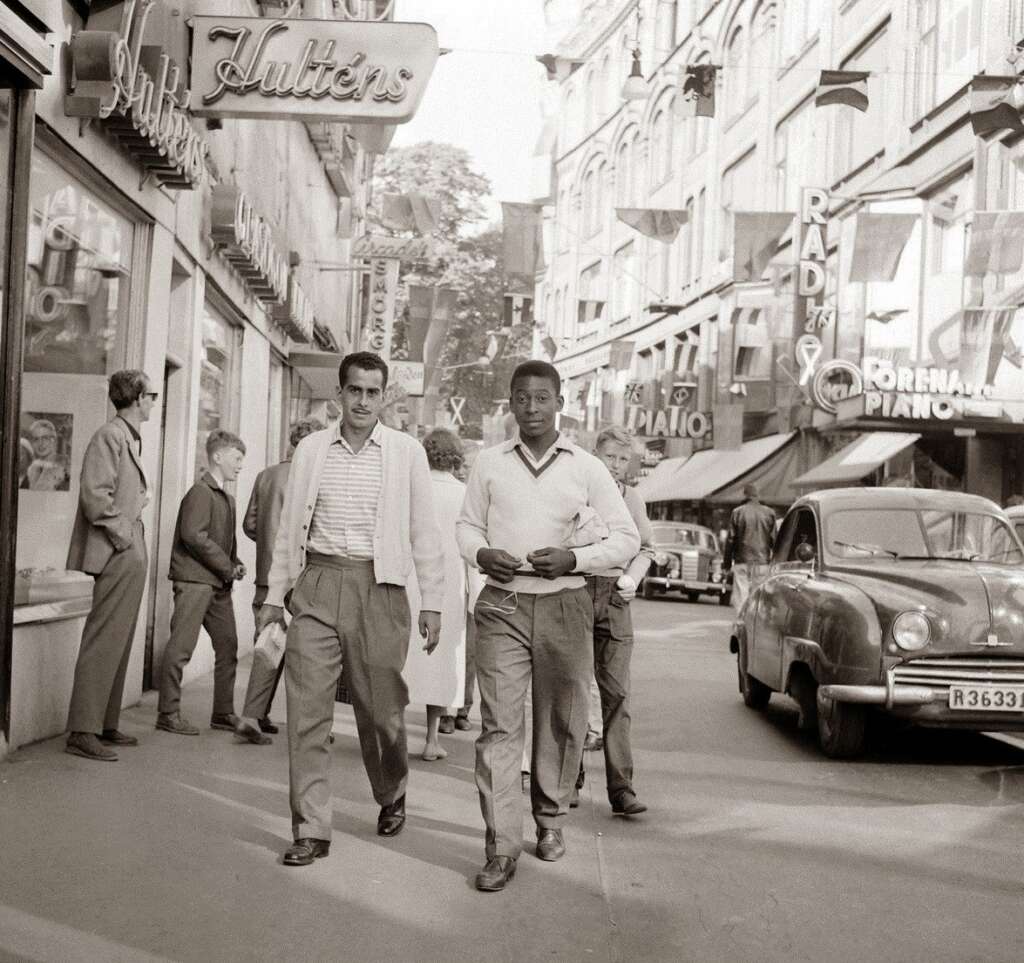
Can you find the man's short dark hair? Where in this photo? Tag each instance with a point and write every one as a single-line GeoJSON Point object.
{"type": "Point", "coordinates": [365, 361]}
{"type": "Point", "coordinates": [537, 369]}
{"type": "Point", "coordinates": [219, 439]}
{"type": "Point", "coordinates": [126, 387]}
{"type": "Point", "coordinates": [300, 429]}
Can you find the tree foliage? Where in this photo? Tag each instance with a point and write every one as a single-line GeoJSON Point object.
{"type": "Point", "coordinates": [468, 262]}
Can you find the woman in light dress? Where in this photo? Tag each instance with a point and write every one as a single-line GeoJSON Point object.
{"type": "Point", "coordinates": [437, 680]}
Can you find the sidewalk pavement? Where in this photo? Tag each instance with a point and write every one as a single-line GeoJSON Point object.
{"type": "Point", "coordinates": [174, 852]}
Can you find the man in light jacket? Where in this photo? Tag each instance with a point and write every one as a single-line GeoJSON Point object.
{"type": "Point", "coordinates": [358, 516]}
{"type": "Point", "coordinates": [108, 542]}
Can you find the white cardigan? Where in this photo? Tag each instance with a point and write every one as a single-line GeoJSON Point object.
{"type": "Point", "coordinates": [406, 533]}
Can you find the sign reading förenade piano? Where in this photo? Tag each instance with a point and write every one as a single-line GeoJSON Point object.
{"type": "Point", "coordinates": [313, 70]}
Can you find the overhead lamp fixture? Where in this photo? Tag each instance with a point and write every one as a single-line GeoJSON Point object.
{"type": "Point", "coordinates": [635, 87]}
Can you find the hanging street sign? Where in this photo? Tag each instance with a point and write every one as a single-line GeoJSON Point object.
{"type": "Point", "coordinates": [340, 71]}
{"type": "Point", "coordinates": [400, 248]}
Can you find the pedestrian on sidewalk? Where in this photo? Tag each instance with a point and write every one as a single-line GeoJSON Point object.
{"type": "Point", "coordinates": [612, 592]}
{"type": "Point", "coordinates": [751, 537]}
{"type": "Point", "coordinates": [262, 516]}
{"type": "Point", "coordinates": [538, 509]}
{"type": "Point", "coordinates": [108, 542]}
{"type": "Point", "coordinates": [204, 568]}
{"type": "Point", "coordinates": [436, 679]}
{"type": "Point", "coordinates": [358, 513]}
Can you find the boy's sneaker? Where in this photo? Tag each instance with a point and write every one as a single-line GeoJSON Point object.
{"type": "Point", "coordinates": [173, 722]}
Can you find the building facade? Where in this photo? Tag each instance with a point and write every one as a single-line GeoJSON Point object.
{"type": "Point", "coordinates": [718, 362]}
{"type": "Point", "coordinates": [214, 255]}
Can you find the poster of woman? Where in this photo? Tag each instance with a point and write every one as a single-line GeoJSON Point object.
{"type": "Point", "coordinates": [47, 436]}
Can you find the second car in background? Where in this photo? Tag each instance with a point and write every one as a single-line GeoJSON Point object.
{"type": "Point", "coordinates": [687, 559]}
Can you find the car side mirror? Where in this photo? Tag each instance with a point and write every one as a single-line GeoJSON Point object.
{"type": "Point", "coordinates": [805, 552]}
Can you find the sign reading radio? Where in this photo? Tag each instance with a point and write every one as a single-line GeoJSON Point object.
{"type": "Point", "coordinates": [313, 70]}
{"type": "Point", "coordinates": [140, 95]}
{"type": "Point", "coordinates": [248, 244]}
{"type": "Point", "coordinates": [811, 275]}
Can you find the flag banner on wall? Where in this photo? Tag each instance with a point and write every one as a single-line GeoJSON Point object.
{"type": "Point", "coordinates": [550, 346]}
{"type": "Point", "coordinates": [588, 311]}
{"type": "Point", "coordinates": [983, 334]}
{"type": "Point", "coordinates": [878, 245]}
{"type": "Point", "coordinates": [522, 245]}
{"type": "Point", "coordinates": [992, 106]}
{"type": "Point", "coordinates": [698, 97]}
{"type": "Point", "coordinates": [518, 309]}
{"type": "Point", "coordinates": [620, 355]}
{"type": "Point", "coordinates": [757, 236]}
{"type": "Point", "coordinates": [429, 311]}
{"type": "Point", "coordinates": [496, 342]}
{"type": "Point", "coordinates": [886, 317]}
{"type": "Point", "coordinates": [997, 243]}
{"type": "Point", "coordinates": [411, 212]}
{"type": "Point", "coordinates": [558, 68]}
{"type": "Point", "coordinates": [849, 87]}
{"type": "Point", "coordinates": [654, 222]}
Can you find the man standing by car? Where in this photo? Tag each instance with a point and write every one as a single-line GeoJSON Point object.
{"type": "Point", "coordinates": [751, 537]}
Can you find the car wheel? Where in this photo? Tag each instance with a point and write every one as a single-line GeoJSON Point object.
{"type": "Point", "coordinates": [755, 693]}
{"type": "Point", "coordinates": [842, 727]}
{"type": "Point", "coordinates": [693, 596]}
{"type": "Point", "coordinates": [725, 598]}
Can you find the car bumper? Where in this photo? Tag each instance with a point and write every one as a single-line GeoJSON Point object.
{"type": "Point", "coordinates": [922, 705]}
{"type": "Point", "coordinates": [709, 588]}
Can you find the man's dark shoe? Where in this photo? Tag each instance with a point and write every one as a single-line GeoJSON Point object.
{"type": "Point", "coordinates": [173, 722]}
{"type": "Point", "coordinates": [114, 737]}
{"type": "Point", "coordinates": [446, 725]}
{"type": "Point", "coordinates": [463, 724]}
{"type": "Point", "coordinates": [268, 727]}
{"type": "Point", "coordinates": [86, 744]}
{"type": "Point", "coordinates": [498, 871]}
{"type": "Point", "coordinates": [625, 803]}
{"type": "Point", "coordinates": [248, 731]}
{"type": "Point", "coordinates": [303, 851]}
{"type": "Point", "coordinates": [550, 845]}
{"type": "Point", "coordinates": [224, 720]}
{"type": "Point", "coordinates": [391, 818]}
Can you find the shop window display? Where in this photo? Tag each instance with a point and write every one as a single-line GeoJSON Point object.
{"type": "Point", "coordinates": [78, 282]}
{"type": "Point", "coordinates": [216, 379]}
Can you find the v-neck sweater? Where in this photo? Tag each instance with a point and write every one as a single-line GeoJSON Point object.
{"type": "Point", "coordinates": [515, 503]}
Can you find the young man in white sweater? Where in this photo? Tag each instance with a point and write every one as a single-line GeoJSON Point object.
{"type": "Point", "coordinates": [538, 509]}
{"type": "Point", "coordinates": [358, 513]}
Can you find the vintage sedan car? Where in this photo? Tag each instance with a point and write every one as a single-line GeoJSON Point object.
{"type": "Point", "coordinates": [1016, 516]}
{"type": "Point", "coordinates": [901, 601]}
{"type": "Point", "coordinates": [687, 559]}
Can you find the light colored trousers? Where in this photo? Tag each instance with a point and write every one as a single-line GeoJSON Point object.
{"type": "Point", "coordinates": [340, 614]}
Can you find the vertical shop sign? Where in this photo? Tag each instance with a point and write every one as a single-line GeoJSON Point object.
{"type": "Point", "coordinates": [383, 295]}
{"type": "Point", "coordinates": [812, 316]}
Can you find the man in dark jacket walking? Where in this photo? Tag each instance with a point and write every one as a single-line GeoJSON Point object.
{"type": "Point", "coordinates": [751, 537]}
{"type": "Point", "coordinates": [204, 566]}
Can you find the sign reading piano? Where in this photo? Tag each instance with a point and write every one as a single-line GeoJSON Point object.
{"type": "Point", "coordinates": [349, 71]}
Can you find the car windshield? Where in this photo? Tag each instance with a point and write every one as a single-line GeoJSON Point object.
{"type": "Point", "coordinates": [685, 537]}
{"type": "Point", "coordinates": [929, 533]}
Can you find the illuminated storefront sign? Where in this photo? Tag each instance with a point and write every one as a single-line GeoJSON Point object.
{"type": "Point", "coordinates": [403, 248]}
{"type": "Point", "coordinates": [248, 243]}
{"type": "Point", "coordinates": [140, 95]}
{"type": "Point", "coordinates": [311, 70]}
{"type": "Point", "coordinates": [296, 314]}
{"type": "Point", "coordinates": [668, 422]}
{"type": "Point", "coordinates": [900, 391]}
{"type": "Point", "coordinates": [383, 295]}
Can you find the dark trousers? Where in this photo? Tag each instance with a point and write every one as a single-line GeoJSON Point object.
{"type": "Point", "coordinates": [613, 650]}
{"type": "Point", "coordinates": [340, 614]}
{"type": "Point", "coordinates": [197, 605]}
{"type": "Point", "coordinates": [107, 639]}
{"type": "Point", "coordinates": [263, 677]}
{"type": "Point", "coordinates": [546, 637]}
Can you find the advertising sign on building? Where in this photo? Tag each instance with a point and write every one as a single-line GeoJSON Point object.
{"type": "Point", "coordinates": [381, 314]}
{"type": "Point", "coordinates": [341, 71]}
{"type": "Point", "coordinates": [402, 248]}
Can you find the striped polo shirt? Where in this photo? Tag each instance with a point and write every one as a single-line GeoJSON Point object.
{"type": "Point", "coordinates": [345, 513]}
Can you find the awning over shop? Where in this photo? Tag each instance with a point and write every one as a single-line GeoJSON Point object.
{"type": "Point", "coordinates": [705, 473]}
{"type": "Point", "coordinates": [657, 486]}
{"type": "Point", "coordinates": [774, 478]}
{"type": "Point", "coordinates": [319, 371]}
{"type": "Point", "coordinates": [857, 459]}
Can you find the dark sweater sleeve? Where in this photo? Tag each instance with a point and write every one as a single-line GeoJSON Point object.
{"type": "Point", "coordinates": [196, 512]}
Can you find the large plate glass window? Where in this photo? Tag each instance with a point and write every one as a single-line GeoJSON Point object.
{"type": "Point", "coordinates": [218, 381]}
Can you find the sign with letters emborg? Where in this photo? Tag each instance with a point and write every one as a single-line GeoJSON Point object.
{"type": "Point", "coordinates": [311, 70]}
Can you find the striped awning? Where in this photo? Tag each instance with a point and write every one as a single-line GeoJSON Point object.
{"type": "Point", "coordinates": [857, 460]}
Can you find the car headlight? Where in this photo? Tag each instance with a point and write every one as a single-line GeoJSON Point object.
{"type": "Point", "coordinates": [661, 559]}
{"type": "Point", "coordinates": [911, 631]}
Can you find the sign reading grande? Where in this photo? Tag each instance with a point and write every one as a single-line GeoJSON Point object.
{"type": "Point", "coordinates": [140, 95]}
{"type": "Point", "coordinates": [347, 71]}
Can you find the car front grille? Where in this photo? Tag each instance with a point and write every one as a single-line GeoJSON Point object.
{"type": "Point", "coordinates": [690, 568]}
{"type": "Point", "coordinates": [942, 673]}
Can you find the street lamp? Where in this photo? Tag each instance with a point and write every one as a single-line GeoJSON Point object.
{"type": "Point", "coordinates": [635, 87]}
